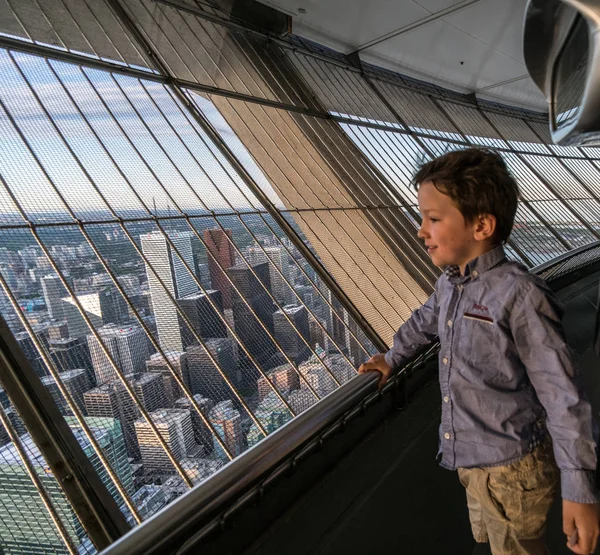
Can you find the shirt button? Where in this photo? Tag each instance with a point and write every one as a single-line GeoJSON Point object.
{"type": "Point", "coordinates": [446, 399]}
{"type": "Point", "coordinates": [475, 273]}
{"type": "Point", "coordinates": [460, 287]}
{"type": "Point", "coordinates": [447, 435]}
{"type": "Point", "coordinates": [449, 323]}
{"type": "Point", "coordinates": [445, 360]}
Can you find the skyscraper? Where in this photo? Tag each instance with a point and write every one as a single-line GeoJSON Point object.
{"type": "Point", "coordinates": [278, 258]}
{"type": "Point", "coordinates": [175, 427]}
{"type": "Point", "coordinates": [54, 291]}
{"type": "Point", "coordinates": [205, 379]}
{"type": "Point", "coordinates": [158, 365]}
{"type": "Point", "coordinates": [218, 243]}
{"type": "Point", "coordinates": [285, 378]}
{"type": "Point", "coordinates": [227, 422]}
{"type": "Point", "coordinates": [202, 433]}
{"type": "Point", "coordinates": [271, 413]}
{"type": "Point", "coordinates": [105, 306]}
{"type": "Point", "coordinates": [30, 351]}
{"type": "Point", "coordinates": [289, 338]}
{"type": "Point", "coordinates": [36, 532]}
{"type": "Point", "coordinates": [176, 279]}
{"type": "Point", "coordinates": [112, 400]}
{"type": "Point", "coordinates": [205, 320]}
{"type": "Point", "coordinates": [71, 354]}
{"type": "Point", "coordinates": [128, 347]}
{"type": "Point", "coordinates": [76, 382]}
{"type": "Point", "coordinates": [255, 338]}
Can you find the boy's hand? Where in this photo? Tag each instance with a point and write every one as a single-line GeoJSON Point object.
{"type": "Point", "coordinates": [377, 363]}
{"type": "Point", "coordinates": [585, 519]}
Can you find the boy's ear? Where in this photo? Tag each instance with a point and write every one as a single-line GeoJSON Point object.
{"type": "Point", "coordinates": [485, 227]}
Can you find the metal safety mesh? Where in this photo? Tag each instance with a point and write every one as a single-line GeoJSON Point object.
{"type": "Point", "coordinates": [155, 219]}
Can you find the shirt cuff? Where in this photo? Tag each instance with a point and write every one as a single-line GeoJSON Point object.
{"type": "Point", "coordinates": [579, 486]}
{"type": "Point", "coordinates": [394, 362]}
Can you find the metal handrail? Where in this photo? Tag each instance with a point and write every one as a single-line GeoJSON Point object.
{"type": "Point", "coordinates": [197, 507]}
{"type": "Point", "coordinates": [203, 502]}
{"type": "Point", "coordinates": [541, 268]}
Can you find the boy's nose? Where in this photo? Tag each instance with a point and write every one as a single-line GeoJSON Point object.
{"type": "Point", "coordinates": [421, 234]}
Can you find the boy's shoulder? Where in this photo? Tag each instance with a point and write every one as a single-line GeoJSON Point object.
{"type": "Point", "coordinates": [513, 283]}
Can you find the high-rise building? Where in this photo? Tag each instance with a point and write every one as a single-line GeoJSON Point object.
{"type": "Point", "coordinates": [227, 422]}
{"type": "Point", "coordinates": [205, 379]}
{"type": "Point", "coordinates": [205, 320]}
{"type": "Point", "coordinates": [317, 334]}
{"type": "Point", "coordinates": [150, 391]}
{"type": "Point", "coordinates": [128, 347]}
{"type": "Point", "coordinates": [202, 433]}
{"type": "Point", "coordinates": [71, 354]}
{"type": "Point", "coordinates": [279, 259]}
{"type": "Point", "coordinates": [179, 362]}
{"type": "Point", "coordinates": [271, 413]}
{"type": "Point", "coordinates": [105, 306]}
{"type": "Point", "coordinates": [30, 350]}
{"type": "Point", "coordinates": [218, 242]}
{"type": "Point", "coordinates": [37, 533]}
{"type": "Point", "coordinates": [203, 272]}
{"type": "Point", "coordinates": [301, 399]}
{"type": "Point", "coordinates": [54, 291]}
{"type": "Point", "coordinates": [290, 339]}
{"type": "Point", "coordinates": [259, 306]}
{"type": "Point", "coordinates": [112, 400]}
{"type": "Point", "coordinates": [176, 279]}
{"type": "Point", "coordinates": [320, 372]}
{"type": "Point", "coordinates": [284, 378]}
{"type": "Point", "coordinates": [175, 427]}
{"type": "Point", "coordinates": [58, 330]}
{"type": "Point", "coordinates": [76, 382]}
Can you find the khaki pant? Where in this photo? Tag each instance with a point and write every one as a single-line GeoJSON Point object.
{"type": "Point", "coordinates": [508, 505]}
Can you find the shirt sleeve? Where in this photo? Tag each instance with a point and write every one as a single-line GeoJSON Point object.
{"type": "Point", "coordinates": [419, 330]}
{"type": "Point", "coordinates": [551, 367]}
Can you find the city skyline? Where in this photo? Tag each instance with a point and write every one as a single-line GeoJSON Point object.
{"type": "Point", "coordinates": [238, 401]}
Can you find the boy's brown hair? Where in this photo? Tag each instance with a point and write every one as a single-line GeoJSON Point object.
{"type": "Point", "coordinates": [479, 182]}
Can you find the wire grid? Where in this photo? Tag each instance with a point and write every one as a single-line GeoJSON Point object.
{"type": "Point", "coordinates": [35, 515]}
{"type": "Point", "coordinates": [138, 217]}
{"type": "Point", "coordinates": [78, 26]}
{"type": "Point", "coordinates": [164, 216]}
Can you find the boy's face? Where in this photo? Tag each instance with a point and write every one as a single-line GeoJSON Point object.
{"type": "Point", "coordinates": [448, 237]}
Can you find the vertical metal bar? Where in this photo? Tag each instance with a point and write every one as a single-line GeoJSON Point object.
{"type": "Point", "coordinates": [68, 397]}
{"type": "Point", "coordinates": [254, 187]}
{"type": "Point", "coordinates": [94, 506]}
{"type": "Point", "coordinates": [39, 486]}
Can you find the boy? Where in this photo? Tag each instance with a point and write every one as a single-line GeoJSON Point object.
{"type": "Point", "coordinates": [509, 383]}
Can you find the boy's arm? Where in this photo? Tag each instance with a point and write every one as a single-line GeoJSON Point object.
{"type": "Point", "coordinates": [419, 330]}
{"type": "Point", "coordinates": [536, 327]}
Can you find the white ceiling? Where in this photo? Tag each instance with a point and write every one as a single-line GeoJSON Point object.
{"type": "Point", "coordinates": [471, 46]}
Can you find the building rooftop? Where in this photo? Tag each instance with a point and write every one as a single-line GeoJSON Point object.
{"type": "Point", "coordinates": [66, 375]}
{"type": "Point", "coordinates": [198, 295]}
{"type": "Point", "coordinates": [290, 309]}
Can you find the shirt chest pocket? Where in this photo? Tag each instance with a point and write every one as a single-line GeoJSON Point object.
{"type": "Point", "coordinates": [477, 341]}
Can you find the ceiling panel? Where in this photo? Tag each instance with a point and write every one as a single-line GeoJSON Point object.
{"type": "Point", "coordinates": [349, 24]}
{"type": "Point", "coordinates": [497, 24]}
{"type": "Point", "coordinates": [485, 36]}
{"type": "Point", "coordinates": [437, 5]}
{"type": "Point", "coordinates": [442, 51]}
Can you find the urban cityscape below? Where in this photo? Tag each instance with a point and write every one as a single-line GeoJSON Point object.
{"type": "Point", "coordinates": [199, 349]}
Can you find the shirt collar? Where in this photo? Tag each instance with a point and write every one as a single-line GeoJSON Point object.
{"type": "Point", "coordinates": [477, 266]}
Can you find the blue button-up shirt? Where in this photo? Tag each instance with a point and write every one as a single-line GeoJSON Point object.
{"type": "Point", "coordinates": [504, 367]}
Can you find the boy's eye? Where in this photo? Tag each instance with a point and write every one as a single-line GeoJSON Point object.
{"type": "Point", "coordinates": [434, 220]}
